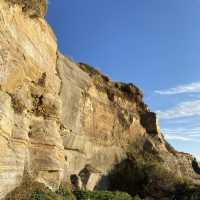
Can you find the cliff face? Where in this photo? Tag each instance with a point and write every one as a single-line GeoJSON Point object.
{"type": "Point", "coordinates": [30, 106]}
{"type": "Point", "coordinates": [59, 118]}
{"type": "Point", "coordinates": [104, 122]}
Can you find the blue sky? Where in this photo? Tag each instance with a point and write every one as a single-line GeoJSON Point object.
{"type": "Point", "coordinates": [154, 44]}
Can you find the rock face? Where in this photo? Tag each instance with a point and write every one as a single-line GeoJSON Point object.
{"type": "Point", "coordinates": [60, 119]}
{"type": "Point", "coordinates": [104, 121]}
{"type": "Point", "coordinates": [30, 106]}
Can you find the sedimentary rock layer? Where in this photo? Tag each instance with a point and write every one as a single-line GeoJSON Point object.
{"type": "Point", "coordinates": [60, 119]}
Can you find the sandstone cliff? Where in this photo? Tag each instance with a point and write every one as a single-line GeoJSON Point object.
{"type": "Point", "coordinates": [60, 118]}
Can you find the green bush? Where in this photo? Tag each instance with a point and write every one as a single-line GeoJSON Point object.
{"type": "Point", "coordinates": [38, 195]}
{"type": "Point", "coordinates": [36, 191]}
{"type": "Point", "coordinates": [151, 179]}
{"type": "Point", "coordinates": [142, 178]}
{"type": "Point", "coordinates": [45, 195]}
{"type": "Point", "coordinates": [65, 192]}
{"type": "Point", "coordinates": [102, 195]}
{"type": "Point", "coordinates": [129, 177]}
{"type": "Point", "coordinates": [89, 69]}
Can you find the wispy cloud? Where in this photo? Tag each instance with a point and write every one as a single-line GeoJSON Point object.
{"type": "Point", "coordinates": [180, 89]}
{"type": "Point", "coordinates": [186, 131]}
{"type": "Point", "coordinates": [177, 137]}
{"type": "Point", "coordinates": [183, 109]}
{"type": "Point", "coordinates": [183, 134]}
{"type": "Point", "coordinates": [181, 121]}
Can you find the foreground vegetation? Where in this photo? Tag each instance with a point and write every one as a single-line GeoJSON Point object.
{"type": "Point", "coordinates": [103, 195]}
{"type": "Point", "coordinates": [151, 179]}
{"type": "Point", "coordinates": [37, 191]}
{"type": "Point", "coordinates": [137, 179]}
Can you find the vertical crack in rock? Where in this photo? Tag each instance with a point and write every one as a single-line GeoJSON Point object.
{"type": "Point", "coordinates": [58, 73]}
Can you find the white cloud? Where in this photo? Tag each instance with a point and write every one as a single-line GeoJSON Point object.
{"type": "Point", "coordinates": [182, 120]}
{"type": "Point", "coordinates": [181, 135]}
{"type": "Point", "coordinates": [183, 109]}
{"type": "Point", "coordinates": [180, 89]}
{"type": "Point", "coordinates": [187, 131]}
{"type": "Point", "coordinates": [185, 134]}
{"type": "Point", "coordinates": [177, 137]}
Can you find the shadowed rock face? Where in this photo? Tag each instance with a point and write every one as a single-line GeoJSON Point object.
{"type": "Point", "coordinates": [195, 166]}
{"type": "Point", "coordinates": [59, 118]}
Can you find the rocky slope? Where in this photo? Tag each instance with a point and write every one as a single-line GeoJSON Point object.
{"type": "Point", "coordinates": [61, 120]}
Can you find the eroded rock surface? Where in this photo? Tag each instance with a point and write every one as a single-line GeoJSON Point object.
{"type": "Point", "coordinates": [29, 101]}
{"type": "Point", "coordinates": [59, 118]}
{"type": "Point", "coordinates": [104, 121]}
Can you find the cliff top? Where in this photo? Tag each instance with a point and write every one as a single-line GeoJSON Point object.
{"type": "Point", "coordinates": [126, 91]}
{"type": "Point", "coordinates": [34, 8]}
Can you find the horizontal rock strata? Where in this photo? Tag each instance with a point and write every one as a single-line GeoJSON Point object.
{"type": "Point", "coordinates": [61, 120]}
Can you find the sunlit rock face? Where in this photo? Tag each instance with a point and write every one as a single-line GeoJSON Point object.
{"type": "Point", "coordinates": [30, 106]}
{"type": "Point", "coordinates": [60, 119]}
